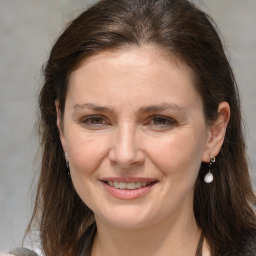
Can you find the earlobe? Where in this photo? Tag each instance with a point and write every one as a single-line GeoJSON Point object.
{"type": "Point", "coordinates": [59, 125]}
{"type": "Point", "coordinates": [217, 132]}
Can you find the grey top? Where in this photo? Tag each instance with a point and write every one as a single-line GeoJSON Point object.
{"type": "Point", "coordinates": [23, 252]}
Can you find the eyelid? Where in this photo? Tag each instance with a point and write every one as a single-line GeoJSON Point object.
{"type": "Point", "coordinates": [91, 117]}
{"type": "Point", "coordinates": [170, 120]}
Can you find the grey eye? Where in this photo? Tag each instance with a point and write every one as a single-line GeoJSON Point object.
{"type": "Point", "coordinates": [161, 121]}
{"type": "Point", "coordinates": [96, 120]}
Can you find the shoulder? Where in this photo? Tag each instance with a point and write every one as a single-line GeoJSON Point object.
{"type": "Point", "coordinates": [247, 245]}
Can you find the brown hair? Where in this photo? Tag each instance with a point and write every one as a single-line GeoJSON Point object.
{"type": "Point", "coordinates": [223, 208]}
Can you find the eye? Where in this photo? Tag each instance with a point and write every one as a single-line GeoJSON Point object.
{"type": "Point", "coordinates": [94, 122]}
{"type": "Point", "coordinates": [161, 122]}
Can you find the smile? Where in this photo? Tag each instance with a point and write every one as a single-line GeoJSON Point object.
{"type": "Point", "coordinates": [128, 185]}
{"type": "Point", "coordinates": [128, 188]}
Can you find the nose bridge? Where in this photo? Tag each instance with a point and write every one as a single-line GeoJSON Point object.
{"type": "Point", "coordinates": [125, 150]}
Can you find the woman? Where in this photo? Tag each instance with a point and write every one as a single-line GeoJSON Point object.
{"type": "Point", "coordinates": [143, 149]}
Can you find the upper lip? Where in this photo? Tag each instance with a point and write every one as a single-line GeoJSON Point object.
{"type": "Point", "coordinates": [128, 179]}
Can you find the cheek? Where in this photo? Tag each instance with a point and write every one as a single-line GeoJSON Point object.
{"type": "Point", "coordinates": [86, 153]}
{"type": "Point", "coordinates": [178, 156]}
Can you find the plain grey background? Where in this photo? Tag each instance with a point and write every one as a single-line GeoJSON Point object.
{"type": "Point", "coordinates": [28, 29]}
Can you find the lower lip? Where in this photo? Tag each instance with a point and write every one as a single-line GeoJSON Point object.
{"type": "Point", "coordinates": [128, 194]}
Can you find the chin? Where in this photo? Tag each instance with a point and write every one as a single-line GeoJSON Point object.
{"type": "Point", "coordinates": [126, 218]}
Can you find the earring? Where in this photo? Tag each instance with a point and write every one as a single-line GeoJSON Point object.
{"type": "Point", "coordinates": [208, 178]}
{"type": "Point", "coordinates": [67, 163]}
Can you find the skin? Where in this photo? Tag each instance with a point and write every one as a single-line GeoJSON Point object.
{"type": "Point", "coordinates": [135, 113]}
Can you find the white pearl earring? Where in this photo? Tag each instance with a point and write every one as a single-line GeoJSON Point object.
{"type": "Point", "coordinates": [209, 177]}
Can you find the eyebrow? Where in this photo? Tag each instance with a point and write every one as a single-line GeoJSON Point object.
{"type": "Point", "coordinates": [142, 110]}
{"type": "Point", "coordinates": [159, 108]}
{"type": "Point", "coordinates": [94, 107]}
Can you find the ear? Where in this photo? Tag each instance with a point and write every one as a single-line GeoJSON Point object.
{"type": "Point", "coordinates": [60, 125]}
{"type": "Point", "coordinates": [217, 132]}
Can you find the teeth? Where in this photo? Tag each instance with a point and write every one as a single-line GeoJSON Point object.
{"type": "Point", "coordinates": [116, 184]}
{"type": "Point", "coordinates": [131, 185]}
{"type": "Point", "coordinates": [138, 185]}
{"type": "Point", "coordinates": [122, 185]}
{"type": "Point", "coordinates": [128, 185]}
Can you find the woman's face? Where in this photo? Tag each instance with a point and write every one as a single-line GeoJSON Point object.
{"type": "Point", "coordinates": [135, 135]}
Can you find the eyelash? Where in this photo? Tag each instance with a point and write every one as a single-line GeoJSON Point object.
{"type": "Point", "coordinates": [168, 122]}
{"type": "Point", "coordinates": [89, 121]}
{"type": "Point", "coordinates": [165, 122]}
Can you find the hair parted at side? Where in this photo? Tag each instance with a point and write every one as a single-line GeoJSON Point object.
{"type": "Point", "coordinates": [223, 208]}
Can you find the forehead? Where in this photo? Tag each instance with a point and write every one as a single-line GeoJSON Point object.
{"type": "Point", "coordinates": [144, 55]}
{"type": "Point", "coordinates": [135, 73]}
{"type": "Point", "coordinates": [132, 57]}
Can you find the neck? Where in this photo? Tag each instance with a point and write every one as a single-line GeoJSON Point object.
{"type": "Point", "coordinates": [177, 236]}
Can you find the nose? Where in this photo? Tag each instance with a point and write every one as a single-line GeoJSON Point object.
{"type": "Point", "coordinates": [125, 150]}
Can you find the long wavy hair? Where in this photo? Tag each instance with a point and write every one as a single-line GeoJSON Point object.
{"type": "Point", "coordinates": [223, 209]}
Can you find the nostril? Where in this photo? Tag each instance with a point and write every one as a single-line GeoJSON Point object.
{"type": "Point", "coordinates": [125, 150]}
{"type": "Point", "coordinates": [126, 158]}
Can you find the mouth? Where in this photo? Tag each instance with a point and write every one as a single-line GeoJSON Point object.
{"type": "Point", "coordinates": [129, 185]}
{"type": "Point", "coordinates": [128, 188]}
